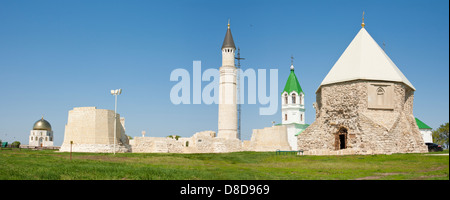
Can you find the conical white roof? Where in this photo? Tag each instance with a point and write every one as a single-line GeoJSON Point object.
{"type": "Point", "coordinates": [364, 60]}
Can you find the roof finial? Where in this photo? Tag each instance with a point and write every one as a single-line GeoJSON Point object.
{"type": "Point", "coordinates": [42, 118]}
{"type": "Point", "coordinates": [228, 23]}
{"type": "Point", "coordinates": [362, 24]}
{"type": "Point", "coordinates": [292, 62]}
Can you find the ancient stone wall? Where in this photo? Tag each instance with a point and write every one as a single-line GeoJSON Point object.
{"type": "Point", "coordinates": [344, 106]}
{"type": "Point", "coordinates": [92, 130]}
{"type": "Point", "coordinates": [269, 139]}
{"type": "Point", "coordinates": [200, 142]}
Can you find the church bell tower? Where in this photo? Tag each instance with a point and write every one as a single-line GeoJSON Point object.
{"type": "Point", "coordinates": [293, 101]}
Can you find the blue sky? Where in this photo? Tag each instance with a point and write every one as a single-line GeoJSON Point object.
{"type": "Point", "coordinates": [57, 55]}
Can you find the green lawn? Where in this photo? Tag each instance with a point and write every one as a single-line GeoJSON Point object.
{"type": "Point", "coordinates": [53, 165]}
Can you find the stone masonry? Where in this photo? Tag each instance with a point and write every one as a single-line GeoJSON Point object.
{"type": "Point", "coordinates": [346, 124]}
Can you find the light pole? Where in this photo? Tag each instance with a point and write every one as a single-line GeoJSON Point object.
{"type": "Point", "coordinates": [115, 93]}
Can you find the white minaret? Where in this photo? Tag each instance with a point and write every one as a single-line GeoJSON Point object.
{"type": "Point", "coordinates": [227, 90]}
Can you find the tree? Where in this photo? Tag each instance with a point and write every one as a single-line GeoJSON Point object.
{"type": "Point", "coordinates": [440, 135]}
{"type": "Point", "coordinates": [15, 144]}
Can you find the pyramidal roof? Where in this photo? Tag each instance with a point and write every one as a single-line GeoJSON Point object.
{"type": "Point", "coordinates": [364, 60]}
{"type": "Point", "coordinates": [292, 83]}
{"type": "Point", "coordinates": [228, 42]}
{"type": "Point", "coordinates": [422, 125]}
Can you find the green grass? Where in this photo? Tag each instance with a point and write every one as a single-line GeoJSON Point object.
{"type": "Point", "coordinates": [53, 165]}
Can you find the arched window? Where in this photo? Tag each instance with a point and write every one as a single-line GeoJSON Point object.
{"type": "Point", "coordinates": [300, 99]}
{"type": "Point", "coordinates": [380, 96]}
{"type": "Point", "coordinates": [285, 117]}
{"type": "Point", "coordinates": [293, 98]}
{"type": "Point", "coordinates": [301, 117]}
{"type": "Point", "coordinates": [285, 98]}
{"type": "Point", "coordinates": [380, 91]}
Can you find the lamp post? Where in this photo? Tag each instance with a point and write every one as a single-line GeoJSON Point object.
{"type": "Point", "coordinates": [115, 93]}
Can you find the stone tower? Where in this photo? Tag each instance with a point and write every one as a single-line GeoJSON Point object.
{"type": "Point", "coordinates": [227, 126]}
{"type": "Point", "coordinates": [363, 106]}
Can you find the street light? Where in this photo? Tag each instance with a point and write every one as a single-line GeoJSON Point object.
{"type": "Point", "coordinates": [115, 93]}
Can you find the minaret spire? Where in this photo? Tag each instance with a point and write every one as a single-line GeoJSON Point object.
{"type": "Point", "coordinates": [228, 42]}
{"type": "Point", "coordinates": [362, 24]}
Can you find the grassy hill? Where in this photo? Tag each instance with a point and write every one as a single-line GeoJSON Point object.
{"type": "Point", "coordinates": [54, 165]}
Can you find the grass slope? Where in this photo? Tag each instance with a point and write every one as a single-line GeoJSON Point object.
{"type": "Point", "coordinates": [51, 165]}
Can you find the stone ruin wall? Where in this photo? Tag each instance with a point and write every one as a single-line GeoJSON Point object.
{"type": "Point", "coordinates": [92, 130]}
{"type": "Point", "coordinates": [200, 142]}
{"type": "Point", "coordinates": [370, 131]}
{"type": "Point", "coordinates": [267, 139]}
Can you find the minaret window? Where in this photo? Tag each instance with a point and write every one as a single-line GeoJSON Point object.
{"type": "Point", "coordinates": [293, 98]}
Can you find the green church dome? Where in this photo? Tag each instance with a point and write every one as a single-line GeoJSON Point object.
{"type": "Point", "coordinates": [292, 83]}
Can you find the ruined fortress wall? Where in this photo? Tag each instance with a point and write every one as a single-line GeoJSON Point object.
{"type": "Point", "coordinates": [370, 129]}
{"type": "Point", "coordinates": [200, 142]}
{"type": "Point", "coordinates": [92, 130]}
{"type": "Point", "coordinates": [269, 139]}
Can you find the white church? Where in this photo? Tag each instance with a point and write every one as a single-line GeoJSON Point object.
{"type": "Point", "coordinates": [293, 109]}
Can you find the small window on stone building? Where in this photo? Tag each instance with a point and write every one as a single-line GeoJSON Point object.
{"type": "Point", "coordinates": [293, 98]}
{"type": "Point", "coordinates": [285, 117]}
{"type": "Point", "coordinates": [285, 98]}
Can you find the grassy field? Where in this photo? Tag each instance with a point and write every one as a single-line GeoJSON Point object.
{"type": "Point", "coordinates": [53, 165]}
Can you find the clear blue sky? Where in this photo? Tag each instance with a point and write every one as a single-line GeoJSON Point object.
{"type": "Point", "coordinates": [57, 55]}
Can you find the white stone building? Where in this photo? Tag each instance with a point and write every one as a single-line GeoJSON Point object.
{"type": "Point", "coordinates": [293, 109]}
{"type": "Point", "coordinates": [426, 131]}
{"type": "Point", "coordinates": [42, 134]}
{"type": "Point", "coordinates": [364, 105]}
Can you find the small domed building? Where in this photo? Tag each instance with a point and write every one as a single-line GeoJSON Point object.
{"type": "Point", "coordinates": [42, 134]}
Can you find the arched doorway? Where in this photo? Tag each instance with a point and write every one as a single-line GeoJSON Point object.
{"type": "Point", "coordinates": [341, 138]}
{"type": "Point", "coordinates": [40, 142]}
